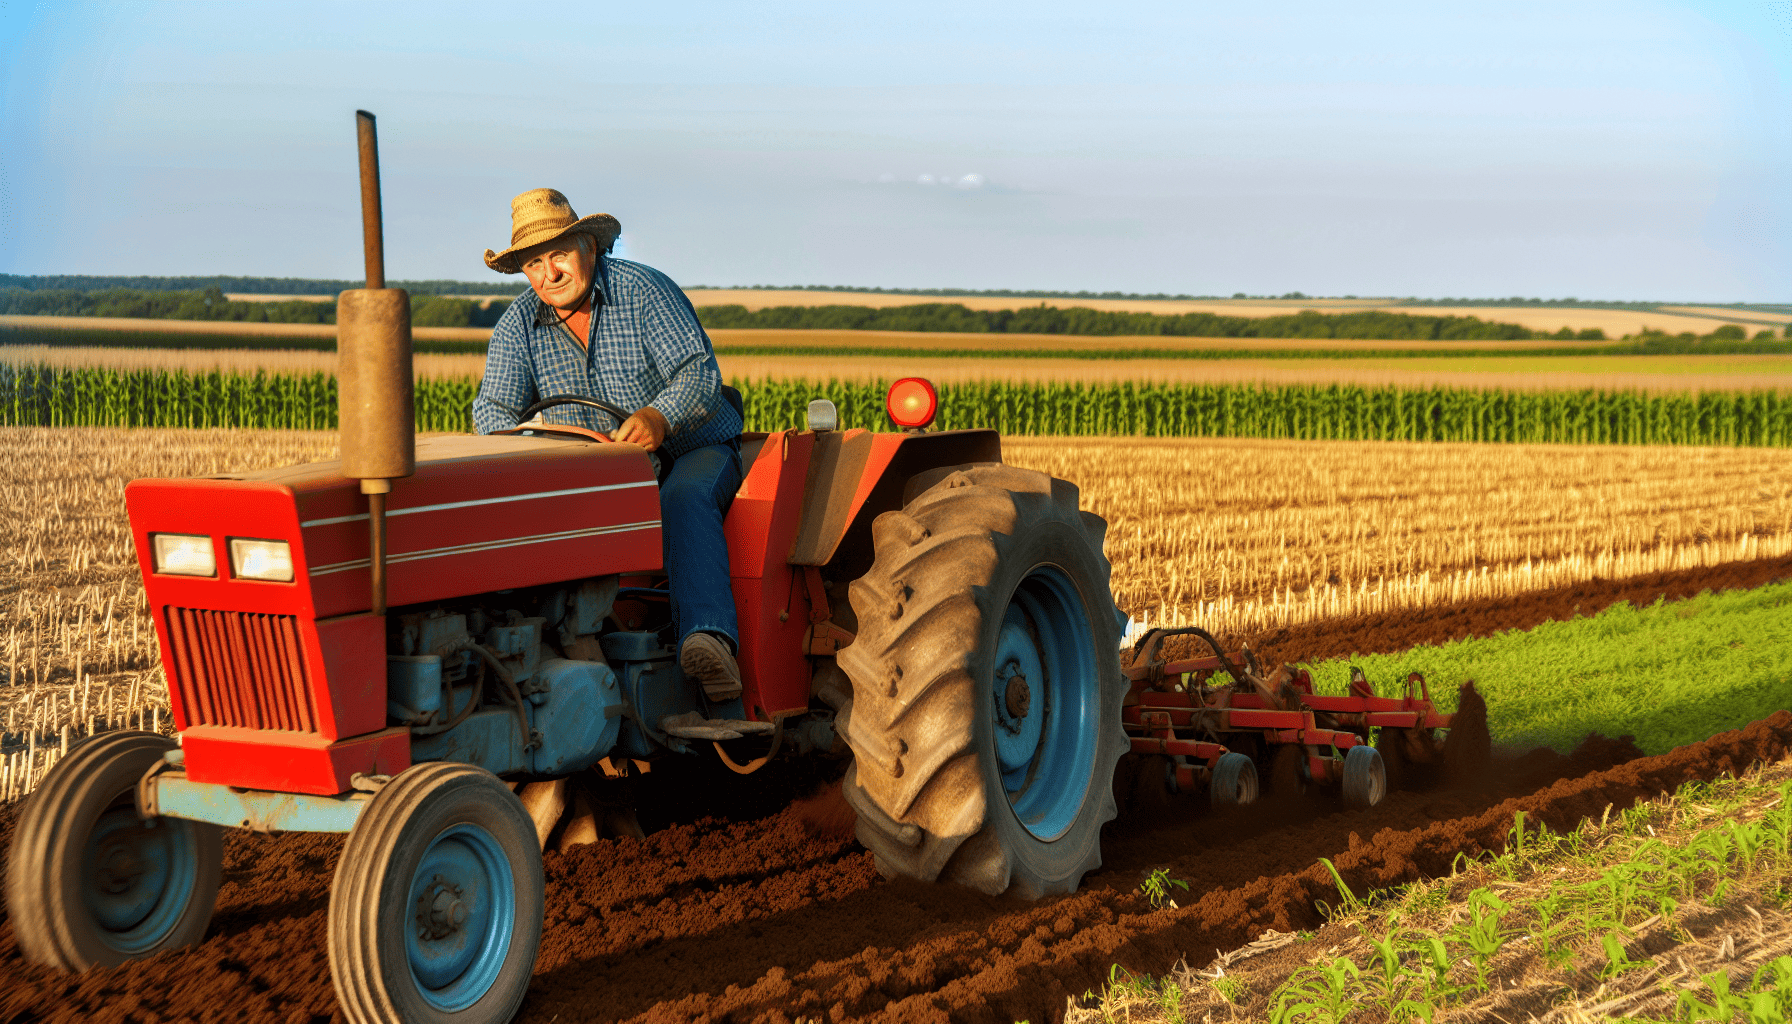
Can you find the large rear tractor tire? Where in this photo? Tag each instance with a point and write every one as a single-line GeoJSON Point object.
{"type": "Point", "coordinates": [435, 915]}
{"type": "Point", "coordinates": [91, 884]}
{"type": "Point", "coordinates": [986, 686]}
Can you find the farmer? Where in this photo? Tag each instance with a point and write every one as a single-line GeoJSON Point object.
{"type": "Point", "coordinates": [610, 329]}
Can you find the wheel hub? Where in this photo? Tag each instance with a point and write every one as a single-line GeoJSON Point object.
{"type": "Point", "coordinates": [119, 869]}
{"type": "Point", "coordinates": [1012, 696]}
{"type": "Point", "coordinates": [440, 911]}
{"type": "Point", "coordinates": [1019, 697]}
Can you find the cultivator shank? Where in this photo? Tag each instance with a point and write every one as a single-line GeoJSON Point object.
{"type": "Point", "coordinates": [1176, 709]}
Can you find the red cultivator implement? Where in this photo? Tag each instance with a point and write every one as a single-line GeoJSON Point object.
{"type": "Point", "coordinates": [1218, 735]}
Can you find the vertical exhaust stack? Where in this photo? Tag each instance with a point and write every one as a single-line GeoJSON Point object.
{"type": "Point", "coordinates": [376, 415]}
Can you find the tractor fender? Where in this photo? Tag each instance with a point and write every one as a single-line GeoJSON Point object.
{"type": "Point", "coordinates": [856, 475]}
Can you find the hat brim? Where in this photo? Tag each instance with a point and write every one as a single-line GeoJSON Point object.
{"type": "Point", "coordinates": [600, 226]}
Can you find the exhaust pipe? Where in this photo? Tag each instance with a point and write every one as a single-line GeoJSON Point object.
{"type": "Point", "coordinates": [376, 418]}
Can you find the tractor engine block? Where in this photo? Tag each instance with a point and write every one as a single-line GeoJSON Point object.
{"type": "Point", "coordinates": [519, 682]}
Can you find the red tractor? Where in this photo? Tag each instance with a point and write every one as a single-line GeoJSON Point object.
{"type": "Point", "coordinates": [346, 655]}
{"type": "Point", "coordinates": [978, 686]}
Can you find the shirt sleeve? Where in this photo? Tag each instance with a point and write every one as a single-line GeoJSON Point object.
{"type": "Point", "coordinates": [509, 383]}
{"type": "Point", "coordinates": [682, 356]}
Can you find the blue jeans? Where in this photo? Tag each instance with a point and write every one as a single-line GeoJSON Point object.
{"type": "Point", "coordinates": [695, 493]}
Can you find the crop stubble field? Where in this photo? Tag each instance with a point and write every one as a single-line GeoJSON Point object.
{"type": "Point", "coordinates": [1310, 549]}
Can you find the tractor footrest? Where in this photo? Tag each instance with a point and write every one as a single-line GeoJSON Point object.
{"type": "Point", "coordinates": [692, 726]}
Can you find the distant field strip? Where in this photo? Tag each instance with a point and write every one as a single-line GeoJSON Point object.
{"type": "Point", "coordinates": [60, 396]}
{"type": "Point", "coordinates": [1603, 372]}
{"type": "Point", "coordinates": [1614, 322]}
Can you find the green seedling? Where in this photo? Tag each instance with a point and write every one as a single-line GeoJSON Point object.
{"type": "Point", "coordinates": [1322, 994]}
{"type": "Point", "coordinates": [1616, 960]}
{"type": "Point", "coordinates": [1169, 1002]}
{"type": "Point", "coordinates": [1509, 863]}
{"type": "Point", "coordinates": [1386, 961]}
{"type": "Point", "coordinates": [1156, 887]}
{"type": "Point", "coordinates": [1550, 908]}
{"type": "Point", "coordinates": [1414, 1009]}
{"type": "Point", "coordinates": [1436, 959]}
{"type": "Point", "coordinates": [1229, 988]}
{"type": "Point", "coordinates": [1725, 1005]}
{"type": "Point", "coordinates": [1348, 904]}
{"type": "Point", "coordinates": [1482, 933]}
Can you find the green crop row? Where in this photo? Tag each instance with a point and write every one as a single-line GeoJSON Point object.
{"type": "Point", "coordinates": [61, 396]}
{"type": "Point", "coordinates": [70, 397]}
{"type": "Point", "coordinates": [1309, 412]}
{"type": "Point", "coordinates": [1667, 674]}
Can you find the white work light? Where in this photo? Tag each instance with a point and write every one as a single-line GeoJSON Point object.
{"type": "Point", "coordinates": [184, 554]}
{"type": "Point", "coordinates": [269, 560]}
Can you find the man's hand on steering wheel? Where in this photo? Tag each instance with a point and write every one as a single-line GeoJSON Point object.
{"type": "Point", "coordinates": [646, 428]}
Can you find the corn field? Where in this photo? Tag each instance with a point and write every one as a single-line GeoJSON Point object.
{"type": "Point", "coordinates": [69, 396]}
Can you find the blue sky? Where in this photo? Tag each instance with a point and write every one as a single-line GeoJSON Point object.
{"type": "Point", "coordinates": [1601, 150]}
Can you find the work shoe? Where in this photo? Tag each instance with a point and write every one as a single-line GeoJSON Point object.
{"type": "Point", "coordinates": [705, 658]}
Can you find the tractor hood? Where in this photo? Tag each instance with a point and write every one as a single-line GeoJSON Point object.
{"type": "Point", "coordinates": [481, 513]}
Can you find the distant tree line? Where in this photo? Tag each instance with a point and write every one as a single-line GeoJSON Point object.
{"type": "Point", "coordinates": [252, 285]}
{"type": "Point", "coordinates": [1042, 319]}
{"type": "Point", "coordinates": [1730, 339]}
{"type": "Point", "coordinates": [211, 304]}
{"type": "Point", "coordinates": [204, 304]}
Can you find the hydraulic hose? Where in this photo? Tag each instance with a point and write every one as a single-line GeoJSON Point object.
{"type": "Point", "coordinates": [515, 695]}
{"type": "Point", "coordinates": [465, 713]}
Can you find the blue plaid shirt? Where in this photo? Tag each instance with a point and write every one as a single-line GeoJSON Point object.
{"type": "Point", "coordinates": [645, 347]}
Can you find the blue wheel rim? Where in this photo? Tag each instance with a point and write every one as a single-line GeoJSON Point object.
{"type": "Point", "coordinates": [459, 917]}
{"type": "Point", "coordinates": [137, 877]}
{"type": "Point", "coordinates": [1044, 727]}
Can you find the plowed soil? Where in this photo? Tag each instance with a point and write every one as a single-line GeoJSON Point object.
{"type": "Point", "coordinates": [743, 909]}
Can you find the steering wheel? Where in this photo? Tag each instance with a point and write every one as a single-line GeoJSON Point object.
{"type": "Point", "coordinates": [553, 400]}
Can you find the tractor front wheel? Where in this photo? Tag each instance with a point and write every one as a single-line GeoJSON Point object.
{"type": "Point", "coordinates": [986, 685]}
{"type": "Point", "coordinates": [436, 911]}
{"type": "Point", "coordinates": [89, 883]}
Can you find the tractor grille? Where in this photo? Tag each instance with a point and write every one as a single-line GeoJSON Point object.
{"type": "Point", "coordinates": [241, 668]}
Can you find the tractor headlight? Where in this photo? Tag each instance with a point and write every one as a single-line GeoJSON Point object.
{"type": "Point", "coordinates": [184, 554]}
{"type": "Point", "coordinates": [261, 560]}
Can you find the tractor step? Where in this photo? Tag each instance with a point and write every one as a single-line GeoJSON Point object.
{"type": "Point", "coordinates": [692, 726]}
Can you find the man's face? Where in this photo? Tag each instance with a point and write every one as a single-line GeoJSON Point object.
{"type": "Point", "coordinates": [559, 271]}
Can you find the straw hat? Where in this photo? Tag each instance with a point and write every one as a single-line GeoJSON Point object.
{"type": "Point", "coordinates": [542, 215]}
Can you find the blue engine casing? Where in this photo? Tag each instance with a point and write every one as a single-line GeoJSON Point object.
{"type": "Point", "coordinates": [487, 738]}
{"type": "Point", "coordinates": [578, 711]}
